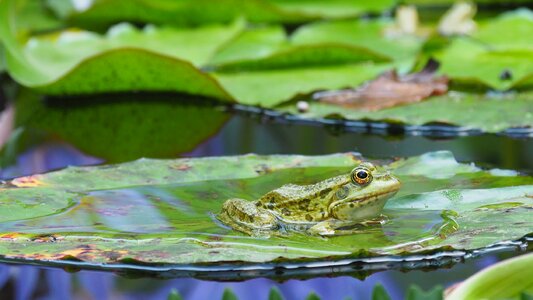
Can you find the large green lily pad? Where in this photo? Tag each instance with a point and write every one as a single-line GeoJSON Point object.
{"type": "Point", "coordinates": [161, 211]}
{"type": "Point", "coordinates": [489, 113]}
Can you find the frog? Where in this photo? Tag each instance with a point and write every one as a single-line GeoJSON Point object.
{"type": "Point", "coordinates": [334, 206]}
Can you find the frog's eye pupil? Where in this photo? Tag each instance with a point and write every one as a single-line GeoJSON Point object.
{"type": "Point", "coordinates": [361, 176]}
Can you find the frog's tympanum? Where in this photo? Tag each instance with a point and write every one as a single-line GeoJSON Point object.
{"type": "Point", "coordinates": [329, 207]}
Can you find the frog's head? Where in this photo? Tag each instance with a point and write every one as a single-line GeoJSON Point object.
{"type": "Point", "coordinates": [364, 195]}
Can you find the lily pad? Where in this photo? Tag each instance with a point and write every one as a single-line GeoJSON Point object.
{"type": "Point", "coordinates": [499, 55]}
{"type": "Point", "coordinates": [83, 62]}
{"type": "Point", "coordinates": [489, 113]}
{"type": "Point", "coordinates": [188, 12]}
{"type": "Point", "coordinates": [269, 88]}
{"type": "Point", "coordinates": [161, 211]}
{"type": "Point", "coordinates": [366, 34]}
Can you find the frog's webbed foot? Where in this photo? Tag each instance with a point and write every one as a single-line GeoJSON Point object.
{"type": "Point", "coordinates": [245, 216]}
{"type": "Point", "coordinates": [341, 227]}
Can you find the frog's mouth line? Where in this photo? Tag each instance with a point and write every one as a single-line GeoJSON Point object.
{"type": "Point", "coordinates": [370, 197]}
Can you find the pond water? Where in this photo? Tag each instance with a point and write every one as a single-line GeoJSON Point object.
{"type": "Point", "coordinates": [241, 134]}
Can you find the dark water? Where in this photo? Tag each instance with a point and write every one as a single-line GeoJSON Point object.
{"type": "Point", "coordinates": [245, 134]}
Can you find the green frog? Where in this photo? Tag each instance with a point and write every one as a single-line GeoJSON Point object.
{"type": "Point", "coordinates": [327, 208]}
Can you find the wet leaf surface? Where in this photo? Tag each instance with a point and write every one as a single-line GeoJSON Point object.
{"type": "Point", "coordinates": [162, 211]}
{"type": "Point", "coordinates": [489, 113]}
{"type": "Point", "coordinates": [389, 90]}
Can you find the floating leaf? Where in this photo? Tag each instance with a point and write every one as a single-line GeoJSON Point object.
{"type": "Point", "coordinates": [508, 279]}
{"type": "Point", "coordinates": [499, 55]}
{"type": "Point", "coordinates": [87, 63]}
{"type": "Point", "coordinates": [251, 44]}
{"type": "Point", "coordinates": [34, 16]}
{"type": "Point", "coordinates": [489, 113]}
{"type": "Point", "coordinates": [389, 90]}
{"type": "Point", "coordinates": [127, 60]}
{"type": "Point", "coordinates": [369, 35]}
{"type": "Point", "coordinates": [161, 211]}
{"type": "Point", "coordinates": [196, 12]}
{"type": "Point", "coordinates": [271, 87]}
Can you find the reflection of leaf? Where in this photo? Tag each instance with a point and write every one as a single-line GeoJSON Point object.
{"type": "Point", "coordinates": [488, 113]}
{"type": "Point", "coordinates": [121, 128]}
{"type": "Point", "coordinates": [161, 211]}
{"type": "Point", "coordinates": [416, 293]}
{"type": "Point", "coordinates": [508, 279]}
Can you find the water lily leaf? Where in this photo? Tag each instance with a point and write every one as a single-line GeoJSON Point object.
{"type": "Point", "coordinates": [148, 125]}
{"type": "Point", "coordinates": [499, 55]}
{"type": "Point", "coordinates": [266, 48]}
{"type": "Point", "coordinates": [269, 88]}
{"type": "Point", "coordinates": [34, 16]}
{"type": "Point", "coordinates": [370, 35]}
{"type": "Point", "coordinates": [334, 9]}
{"type": "Point", "coordinates": [87, 63]}
{"type": "Point", "coordinates": [484, 112]}
{"type": "Point", "coordinates": [508, 279]}
{"type": "Point", "coordinates": [83, 62]}
{"type": "Point", "coordinates": [180, 13]}
{"type": "Point", "coordinates": [162, 211]}
{"type": "Point", "coordinates": [307, 56]}
{"type": "Point", "coordinates": [251, 44]}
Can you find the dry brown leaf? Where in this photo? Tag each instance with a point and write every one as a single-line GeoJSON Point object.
{"type": "Point", "coordinates": [390, 90]}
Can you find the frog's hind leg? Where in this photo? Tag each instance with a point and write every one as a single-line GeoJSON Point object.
{"type": "Point", "coordinates": [245, 216]}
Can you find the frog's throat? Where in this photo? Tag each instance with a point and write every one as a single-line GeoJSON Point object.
{"type": "Point", "coordinates": [363, 198]}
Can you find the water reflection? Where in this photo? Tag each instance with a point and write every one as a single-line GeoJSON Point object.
{"type": "Point", "coordinates": [26, 282]}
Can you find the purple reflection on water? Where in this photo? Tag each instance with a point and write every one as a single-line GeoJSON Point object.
{"type": "Point", "coordinates": [45, 158]}
{"type": "Point", "coordinates": [97, 284]}
{"type": "Point", "coordinates": [59, 285]}
{"type": "Point", "coordinates": [326, 288]}
{"type": "Point", "coordinates": [27, 278]}
{"type": "Point", "coordinates": [4, 275]}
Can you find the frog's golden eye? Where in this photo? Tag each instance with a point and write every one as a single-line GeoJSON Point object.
{"type": "Point", "coordinates": [361, 176]}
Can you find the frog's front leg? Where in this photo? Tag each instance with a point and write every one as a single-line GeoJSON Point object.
{"type": "Point", "coordinates": [332, 227]}
{"type": "Point", "coordinates": [246, 216]}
